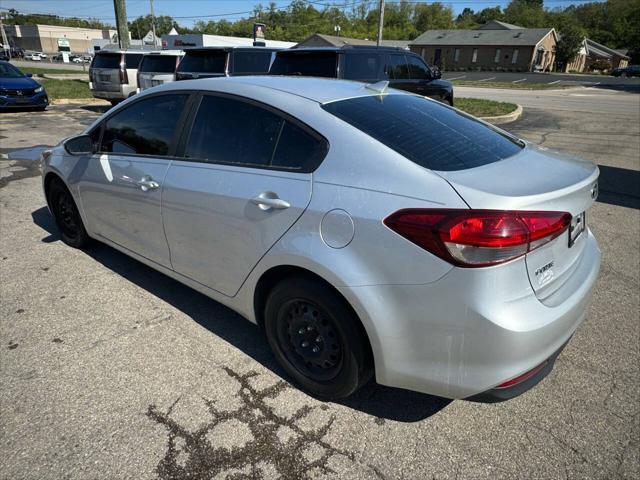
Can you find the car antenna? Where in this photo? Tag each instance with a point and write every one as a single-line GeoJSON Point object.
{"type": "Point", "coordinates": [380, 87]}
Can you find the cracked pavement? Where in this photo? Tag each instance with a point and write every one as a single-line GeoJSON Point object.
{"type": "Point", "coordinates": [112, 370]}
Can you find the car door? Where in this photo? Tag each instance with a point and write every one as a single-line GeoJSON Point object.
{"type": "Point", "coordinates": [244, 180]}
{"type": "Point", "coordinates": [120, 186]}
{"type": "Point", "coordinates": [398, 72]}
{"type": "Point", "coordinates": [422, 79]}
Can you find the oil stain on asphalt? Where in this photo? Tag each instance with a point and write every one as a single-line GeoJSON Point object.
{"type": "Point", "coordinates": [191, 454]}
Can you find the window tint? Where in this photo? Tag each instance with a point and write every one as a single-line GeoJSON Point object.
{"type": "Point", "coordinates": [211, 61]}
{"type": "Point", "coordinates": [417, 68]}
{"type": "Point", "coordinates": [147, 127]}
{"type": "Point", "coordinates": [245, 61]}
{"type": "Point", "coordinates": [240, 133]}
{"type": "Point", "coordinates": [106, 60]}
{"type": "Point", "coordinates": [158, 64]}
{"type": "Point", "coordinates": [361, 66]}
{"type": "Point", "coordinates": [308, 64]}
{"type": "Point", "coordinates": [425, 132]}
{"type": "Point", "coordinates": [397, 68]}
{"type": "Point", "coordinates": [132, 60]}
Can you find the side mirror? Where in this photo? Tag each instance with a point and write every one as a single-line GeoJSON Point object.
{"type": "Point", "coordinates": [29, 75]}
{"type": "Point", "coordinates": [80, 145]}
{"type": "Point", "coordinates": [437, 73]}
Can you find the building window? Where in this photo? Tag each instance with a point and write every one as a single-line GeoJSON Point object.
{"type": "Point", "coordinates": [456, 55]}
{"type": "Point", "coordinates": [474, 57]}
{"type": "Point", "coordinates": [496, 59]}
{"type": "Point", "coordinates": [514, 58]}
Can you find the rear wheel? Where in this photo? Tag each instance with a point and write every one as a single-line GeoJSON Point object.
{"type": "Point", "coordinates": [316, 338]}
{"type": "Point", "coordinates": [67, 216]}
{"type": "Point", "coordinates": [114, 102]}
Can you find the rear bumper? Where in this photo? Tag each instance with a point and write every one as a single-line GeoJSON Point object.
{"type": "Point", "coordinates": [471, 330]}
{"type": "Point", "coordinates": [122, 94]}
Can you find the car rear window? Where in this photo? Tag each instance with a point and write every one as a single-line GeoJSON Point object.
{"type": "Point", "coordinates": [251, 62]}
{"type": "Point", "coordinates": [308, 64]}
{"type": "Point", "coordinates": [132, 60]}
{"type": "Point", "coordinates": [158, 64]}
{"type": "Point", "coordinates": [427, 133]}
{"type": "Point", "coordinates": [106, 60]}
{"type": "Point", "coordinates": [204, 62]}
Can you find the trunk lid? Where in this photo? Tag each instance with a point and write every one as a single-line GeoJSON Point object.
{"type": "Point", "coordinates": [537, 179]}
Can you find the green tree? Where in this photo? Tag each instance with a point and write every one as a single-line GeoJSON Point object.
{"type": "Point", "coordinates": [432, 16]}
{"type": "Point", "coordinates": [568, 45]}
{"type": "Point", "coordinates": [141, 25]}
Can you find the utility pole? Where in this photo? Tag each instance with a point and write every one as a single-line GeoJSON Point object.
{"type": "Point", "coordinates": [380, 22]}
{"type": "Point", "coordinates": [121, 23]}
{"type": "Point", "coordinates": [153, 23]}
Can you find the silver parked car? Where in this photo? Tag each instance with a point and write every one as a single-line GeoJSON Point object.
{"type": "Point", "coordinates": [370, 232]}
{"type": "Point", "coordinates": [113, 74]}
{"type": "Point", "coordinates": [158, 68]}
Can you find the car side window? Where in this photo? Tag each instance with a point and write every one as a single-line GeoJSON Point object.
{"type": "Point", "coordinates": [361, 66]}
{"type": "Point", "coordinates": [145, 128]}
{"type": "Point", "coordinates": [240, 133]}
{"type": "Point", "coordinates": [417, 68]}
{"type": "Point", "coordinates": [397, 67]}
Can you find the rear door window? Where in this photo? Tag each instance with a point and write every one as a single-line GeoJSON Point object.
{"type": "Point", "coordinates": [132, 60]}
{"type": "Point", "coordinates": [361, 66]}
{"type": "Point", "coordinates": [397, 67]}
{"type": "Point", "coordinates": [158, 64]}
{"type": "Point", "coordinates": [235, 132]}
{"type": "Point", "coordinates": [245, 61]}
{"type": "Point", "coordinates": [425, 132]}
{"type": "Point", "coordinates": [145, 128]}
{"type": "Point", "coordinates": [106, 60]}
{"type": "Point", "coordinates": [307, 64]}
{"type": "Point", "coordinates": [212, 61]}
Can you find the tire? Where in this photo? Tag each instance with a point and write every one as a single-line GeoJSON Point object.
{"type": "Point", "coordinates": [303, 311]}
{"type": "Point", "coordinates": [114, 102]}
{"type": "Point", "coordinates": [65, 212]}
{"type": "Point", "coordinates": [41, 109]}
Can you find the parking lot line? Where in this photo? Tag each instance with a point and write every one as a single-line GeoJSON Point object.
{"type": "Point", "coordinates": [557, 81]}
{"type": "Point", "coordinates": [485, 79]}
{"type": "Point", "coordinates": [521, 80]}
{"type": "Point", "coordinates": [457, 78]}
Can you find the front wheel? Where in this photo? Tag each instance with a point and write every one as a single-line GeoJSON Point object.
{"type": "Point", "coordinates": [316, 338]}
{"type": "Point", "coordinates": [67, 216]}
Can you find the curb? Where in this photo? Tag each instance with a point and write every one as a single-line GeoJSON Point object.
{"type": "Point", "coordinates": [509, 117]}
{"type": "Point", "coordinates": [78, 101]}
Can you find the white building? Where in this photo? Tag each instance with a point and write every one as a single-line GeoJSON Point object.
{"type": "Point", "coordinates": [180, 42]}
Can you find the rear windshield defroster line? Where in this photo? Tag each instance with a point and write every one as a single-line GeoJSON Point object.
{"type": "Point", "coordinates": [427, 133]}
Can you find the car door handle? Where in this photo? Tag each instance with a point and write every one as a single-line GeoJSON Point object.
{"type": "Point", "coordinates": [147, 183]}
{"type": "Point", "coordinates": [268, 200]}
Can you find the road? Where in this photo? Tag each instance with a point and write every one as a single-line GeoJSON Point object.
{"type": "Point", "coordinates": [111, 370]}
{"type": "Point", "coordinates": [559, 79]}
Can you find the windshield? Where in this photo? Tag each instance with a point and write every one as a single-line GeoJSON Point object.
{"type": "Point", "coordinates": [106, 60]}
{"type": "Point", "coordinates": [245, 61]}
{"type": "Point", "coordinates": [211, 61]}
{"type": "Point", "coordinates": [9, 71]}
{"type": "Point", "coordinates": [158, 63]}
{"type": "Point", "coordinates": [307, 64]}
{"type": "Point", "coordinates": [426, 132]}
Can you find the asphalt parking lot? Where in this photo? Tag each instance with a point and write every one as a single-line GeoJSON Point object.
{"type": "Point", "coordinates": [112, 370]}
{"type": "Point", "coordinates": [558, 79]}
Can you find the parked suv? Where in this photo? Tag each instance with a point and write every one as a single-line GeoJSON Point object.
{"type": "Point", "coordinates": [158, 68]}
{"type": "Point", "coordinates": [112, 74]}
{"type": "Point", "coordinates": [225, 62]}
{"type": "Point", "coordinates": [403, 69]}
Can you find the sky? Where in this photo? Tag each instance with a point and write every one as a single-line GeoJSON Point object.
{"type": "Point", "coordinates": [194, 10]}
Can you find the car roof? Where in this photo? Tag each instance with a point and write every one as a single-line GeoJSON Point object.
{"type": "Point", "coordinates": [229, 49]}
{"type": "Point", "coordinates": [348, 49]}
{"type": "Point", "coordinates": [321, 90]}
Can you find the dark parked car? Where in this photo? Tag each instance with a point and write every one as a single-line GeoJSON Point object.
{"type": "Point", "coordinates": [224, 62]}
{"type": "Point", "coordinates": [403, 69]}
{"type": "Point", "coordinates": [630, 71]}
{"type": "Point", "coordinates": [20, 90]}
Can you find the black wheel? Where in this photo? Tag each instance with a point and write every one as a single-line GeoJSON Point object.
{"type": "Point", "coordinates": [114, 102]}
{"type": "Point", "coordinates": [316, 338]}
{"type": "Point", "coordinates": [67, 216]}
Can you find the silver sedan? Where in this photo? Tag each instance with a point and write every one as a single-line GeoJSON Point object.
{"type": "Point", "coordinates": [369, 232]}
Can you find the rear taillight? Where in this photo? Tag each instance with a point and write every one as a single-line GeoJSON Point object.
{"type": "Point", "coordinates": [478, 238]}
{"type": "Point", "coordinates": [138, 79]}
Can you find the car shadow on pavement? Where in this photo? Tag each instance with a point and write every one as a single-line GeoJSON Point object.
{"type": "Point", "coordinates": [384, 403]}
{"type": "Point", "coordinates": [619, 186]}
